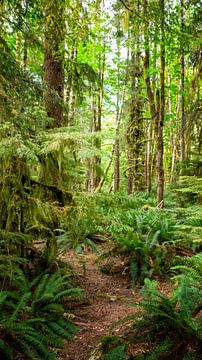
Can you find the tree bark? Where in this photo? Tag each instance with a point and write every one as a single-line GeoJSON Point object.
{"type": "Point", "coordinates": [70, 93]}
{"type": "Point", "coordinates": [159, 145]}
{"type": "Point", "coordinates": [26, 35]}
{"type": "Point", "coordinates": [183, 124]}
{"type": "Point", "coordinates": [54, 60]}
{"type": "Point", "coordinates": [98, 102]}
{"type": "Point", "coordinates": [116, 141]}
{"type": "Point", "coordinates": [151, 98]}
{"type": "Point", "coordinates": [135, 131]}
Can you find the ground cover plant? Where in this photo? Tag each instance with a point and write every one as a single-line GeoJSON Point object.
{"type": "Point", "coordinates": [32, 316]}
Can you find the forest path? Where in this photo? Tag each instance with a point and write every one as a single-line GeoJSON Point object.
{"type": "Point", "coordinates": [109, 299]}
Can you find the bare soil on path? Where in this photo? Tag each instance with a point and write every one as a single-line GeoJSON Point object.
{"type": "Point", "coordinates": [109, 299]}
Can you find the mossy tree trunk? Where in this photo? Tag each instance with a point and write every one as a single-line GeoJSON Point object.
{"type": "Point", "coordinates": [14, 209]}
{"type": "Point", "coordinates": [54, 60]}
{"type": "Point", "coordinates": [151, 98]}
{"type": "Point", "coordinates": [135, 131]}
{"type": "Point", "coordinates": [159, 140]}
{"type": "Point", "coordinates": [182, 61]}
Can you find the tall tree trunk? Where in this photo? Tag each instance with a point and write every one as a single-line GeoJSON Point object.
{"type": "Point", "coordinates": [98, 120]}
{"type": "Point", "coordinates": [19, 33]}
{"type": "Point", "coordinates": [159, 144]}
{"type": "Point", "coordinates": [150, 94]}
{"type": "Point", "coordinates": [116, 142]}
{"type": "Point", "coordinates": [54, 60]}
{"type": "Point", "coordinates": [116, 157]}
{"type": "Point", "coordinates": [96, 163]}
{"type": "Point", "coordinates": [135, 131]}
{"type": "Point", "coordinates": [26, 35]}
{"type": "Point", "coordinates": [70, 93]}
{"type": "Point", "coordinates": [18, 46]}
{"type": "Point", "coordinates": [182, 130]}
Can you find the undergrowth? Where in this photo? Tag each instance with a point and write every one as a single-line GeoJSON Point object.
{"type": "Point", "coordinates": [165, 326]}
{"type": "Point", "coordinates": [34, 316]}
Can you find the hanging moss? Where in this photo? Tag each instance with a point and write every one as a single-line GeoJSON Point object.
{"type": "Point", "coordinates": [14, 178]}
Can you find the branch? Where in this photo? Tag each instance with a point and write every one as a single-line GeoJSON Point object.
{"type": "Point", "coordinates": [126, 6]}
{"type": "Point", "coordinates": [133, 11]}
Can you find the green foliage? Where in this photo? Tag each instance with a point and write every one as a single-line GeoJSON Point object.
{"type": "Point", "coordinates": [146, 237]}
{"type": "Point", "coordinates": [80, 224]}
{"type": "Point", "coordinates": [112, 348]}
{"type": "Point", "coordinates": [190, 187]}
{"type": "Point", "coordinates": [118, 353]}
{"type": "Point", "coordinates": [32, 319]}
{"type": "Point", "coordinates": [191, 267]}
{"type": "Point", "coordinates": [171, 318]}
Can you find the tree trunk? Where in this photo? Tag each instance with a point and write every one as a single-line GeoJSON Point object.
{"type": "Point", "coordinates": [116, 142]}
{"type": "Point", "coordinates": [19, 34]}
{"type": "Point", "coordinates": [95, 160]}
{"type": "Point", "coordinates": [98, 120]}
{"type": "Point", "coordinates": [26, 34]}
{"type": "Point", "coordinates": [54, 60]}
{"type": "Point", "coordinates": [135, 131]}
{"type": "Point", "coordinates": [150, 94]}
{"type": "Point", "coordinates": [182, 130]}
{"type": "Point", "coordinates": [159, 145]}
{"type": "Point", "coordinates": [70, 93]}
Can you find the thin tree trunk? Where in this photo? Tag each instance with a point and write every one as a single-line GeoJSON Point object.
{"type": "Point", "coordinates": [159, 147]}
{"type": "Point", "coordinates": [182, 130]}
{"type": "Point", "coordinates": [102, 180]}
{"type": "Point", "coordinates": [95, 159]}
{"type": "Point", "coordinates": [173, 160]}
{"type": "Point", "coordinates": [19, 35]}
{"type": "Point", "coordinates": [26, 34]}
{"type": "Point", "coordinates": [116, 144]}
{"type": "Point", "coordinates": [150, 94]}
{"type": "Point", "coordinates": [98, 122]}
{"type": "Point", "coordinates": [149, 134]}
{"type": "Point", "coordinates": [70, 93]}
{"type": "Point", "coordinates": [116, 160]}
{"type": "Point", "coordinates": [18, 46]}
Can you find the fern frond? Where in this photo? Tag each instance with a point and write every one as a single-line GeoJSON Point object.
{"type": "Point", "coordinates": [69, 292]}
{"type": "Point", "coordinates": [20, 306]}
{"type": "Point", "coordinates": [67, 325]}
{"type": "Point", "coordinates": [6, 349]}
{"type": "Point", "coordinates": [40, 287]}
{"type": "Point", "coordinates": [53, 307]}
{"type": "Point", "coordinates": [60, 330]}
{"type": "Point", "coordinates": [39, 347]}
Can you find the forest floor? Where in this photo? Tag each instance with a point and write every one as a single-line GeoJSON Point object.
{"type": "Point", "coordinates": [109, 298]}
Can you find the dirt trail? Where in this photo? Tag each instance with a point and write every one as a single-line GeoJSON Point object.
{"type": "Point", "coordinates": [109, 300]}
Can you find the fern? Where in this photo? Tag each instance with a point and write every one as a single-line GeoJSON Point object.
{"type": "Point", "coordinates": [159, 350]}
{"type": "Point", "coordinates": [118, 353]}
{"type": "Point", "coordinates": [42, 306]}
{"type": "Point", "coordinates": [168, 317]}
